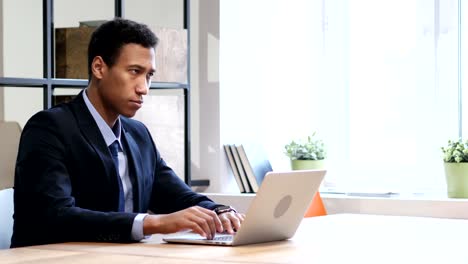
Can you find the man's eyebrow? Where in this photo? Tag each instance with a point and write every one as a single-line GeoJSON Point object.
{"type": "Point", "coordinates": [135, 66]}
{"type": "Point", "coordinates": [152, 70]}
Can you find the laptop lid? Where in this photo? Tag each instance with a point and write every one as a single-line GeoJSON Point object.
{"type": "Point", "coordinates": [275, 212]}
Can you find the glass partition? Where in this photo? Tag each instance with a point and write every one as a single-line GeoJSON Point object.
{"type": "Point", "coordinates": [22, 39]}
{"type": "Point", "coordinates": [161, 13]}
{"type": "Point", "coordinates": [74, 23]}
{"type": "Point", "coordinates": [64, 95]}
{"type": "Point", "coordinates": [166, 19]}
{"type": "Point", "coordinates": [20, 103]}
{"type": "Point", "coordinates": [163, 114]}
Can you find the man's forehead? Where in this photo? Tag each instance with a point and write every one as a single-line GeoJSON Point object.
{"type": "Point", "coordinates": [137, 55]}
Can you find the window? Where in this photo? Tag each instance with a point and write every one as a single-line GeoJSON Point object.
{"type": "Point", "coordinates": [400, 65]}
{"type": "Point", "coordinates": [378, 80]}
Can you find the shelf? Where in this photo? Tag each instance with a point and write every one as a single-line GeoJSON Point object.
{"type": "Point", "coordinates": [168, 85]}
{"type": "Point", "coordinates": [71, 83]}
{"type": "Point", "coordinates": [200, 183]}
{"type": "Point", "coordinates": [21, 82]}
{"type": "Point", "coordinates": [49, 83]}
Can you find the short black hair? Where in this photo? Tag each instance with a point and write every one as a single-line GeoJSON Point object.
{"type": "Point", "coordinates": [107, 40]}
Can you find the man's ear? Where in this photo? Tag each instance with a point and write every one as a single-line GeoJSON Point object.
{"type": "Point", "coordinates": [98, 67]}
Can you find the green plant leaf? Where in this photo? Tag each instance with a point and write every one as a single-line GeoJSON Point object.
{"type": "Point", "coordinates": [311, 149]}
{"type": "Point", "coordinates": [455, 151]}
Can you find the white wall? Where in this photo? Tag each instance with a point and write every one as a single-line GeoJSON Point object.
{"type": "Point", "coordinates": [265, 55]}
{"type": "Point", "coordinates": [165, 13]}
{"type": "Point", "coordinates": [22, 57]}
{"type": "Point", "coordinates": [207, 161]}
{"type": "Point", "coordinates": [68, 13]}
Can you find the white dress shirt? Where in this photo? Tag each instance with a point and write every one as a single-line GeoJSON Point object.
{"type": "Point", "coordinates": [110, 135]}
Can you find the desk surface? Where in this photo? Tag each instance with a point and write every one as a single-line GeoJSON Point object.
{"type": "Point", "coordinates": [329, 239]}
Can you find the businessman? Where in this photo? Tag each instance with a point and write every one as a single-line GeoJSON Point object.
{"type": "Point", "coordinates": [87, 172]}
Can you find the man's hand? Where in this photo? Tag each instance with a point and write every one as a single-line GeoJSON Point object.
{"type": "Point", "coordinates": [198, 219]}
{"type": "Point", "coordinates": [231, 221]}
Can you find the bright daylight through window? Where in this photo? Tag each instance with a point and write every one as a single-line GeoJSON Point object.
{"type": "Point", "coordinates": [379, 80]}
{"type": "Point", "coordinates": [399, 71]}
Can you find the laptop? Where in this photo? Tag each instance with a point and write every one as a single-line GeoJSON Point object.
{"type": "Point", "coordinates": [275, 212]}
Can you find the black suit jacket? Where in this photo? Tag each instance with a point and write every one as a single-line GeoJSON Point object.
{"type": "Point", "coordinates": [66, 185]}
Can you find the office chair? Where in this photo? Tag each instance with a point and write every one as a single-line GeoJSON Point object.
{"type": "Point", "coordinates": [9, 141]}
{"type": "Point", "coordinates": [316, 208]}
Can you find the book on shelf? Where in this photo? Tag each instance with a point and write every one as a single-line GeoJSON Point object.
{"type": "Point", "coordinates": [235, 169]}
{"type": "Point", "coordinates": [255, 163]}
{"type": "Point", "coordinates": [241, 169]}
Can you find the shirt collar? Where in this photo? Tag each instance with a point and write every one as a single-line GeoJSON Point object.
{"type": "Point", "coordinates": [110, 134]}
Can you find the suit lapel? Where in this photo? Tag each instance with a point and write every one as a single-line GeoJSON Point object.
{"type": "Point", "coordinates": [135, 165]}
{"type": "Point", "coordinates": [91, 132]}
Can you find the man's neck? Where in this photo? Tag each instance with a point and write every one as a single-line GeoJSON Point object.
{"type": "Point", "coordinates": [95, 99]}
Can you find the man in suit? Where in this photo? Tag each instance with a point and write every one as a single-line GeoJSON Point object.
{"type": "Point", "coordinates": [87, 172]}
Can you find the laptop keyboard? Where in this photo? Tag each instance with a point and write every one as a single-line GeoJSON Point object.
{"type": "Point", "coordinates": [223, 238]}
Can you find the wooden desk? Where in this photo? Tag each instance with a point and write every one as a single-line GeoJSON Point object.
{"type": "Point", "coordinates": [329, 239]}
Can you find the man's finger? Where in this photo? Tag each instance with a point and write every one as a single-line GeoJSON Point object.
{"type": "Point", "coordinates": [211, 219]}
{"type": "Point", "coordinates": [241, 216]}
{"type": "Point", "coordinates": [227, 225]}
{"type": "Point", "coordinates": [197, 229]}
{"type": "Point", "coordinates": [236, 223]}
{"type": "Point", "coordinates": [218, 226]}
{"type": "Point", "coordinates": [203, 224]}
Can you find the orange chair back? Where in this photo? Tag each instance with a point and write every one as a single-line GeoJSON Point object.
{"type": "Point", "coordinates": [316, 208]}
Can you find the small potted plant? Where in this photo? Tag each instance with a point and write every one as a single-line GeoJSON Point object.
{"type": "Point", "coordinates": [456, 168]}
{"type": "Point", "coordinates": [309, 154]}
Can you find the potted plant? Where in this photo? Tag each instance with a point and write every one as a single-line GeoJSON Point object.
{"type": "Point", "coordinates": [456, 168]}
{"type": "Point", "coordinates": [309, 154]}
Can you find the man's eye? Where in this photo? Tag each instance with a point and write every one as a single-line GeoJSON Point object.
{"type": "Point", "coordinates": [151, 74]}
{"type": "Point", "coordinates": [134, 71]}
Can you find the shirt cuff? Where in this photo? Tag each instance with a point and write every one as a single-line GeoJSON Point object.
{"type": "Point", "coordinates": [137, 227]}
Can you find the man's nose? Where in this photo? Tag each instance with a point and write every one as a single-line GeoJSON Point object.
{"type": "Point", "coordinates": [143, 87]}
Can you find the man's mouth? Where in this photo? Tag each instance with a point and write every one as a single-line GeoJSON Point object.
{"type": "Point", "coordinates": [139, 103]}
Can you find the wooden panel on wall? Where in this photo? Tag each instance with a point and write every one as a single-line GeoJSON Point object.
{"type": "Point", "coordinates": [171, 55]}
{"type": "Point", "coordinates": [71, 45]}
{"type": "Point", "coordinates": [71, 49]}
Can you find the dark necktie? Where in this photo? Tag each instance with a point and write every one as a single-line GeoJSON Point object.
{"type": "Point", "coordinates": [114, 149]}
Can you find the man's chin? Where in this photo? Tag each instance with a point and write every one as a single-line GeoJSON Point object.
{"type": "Point", "coordinates": [128, 114]}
